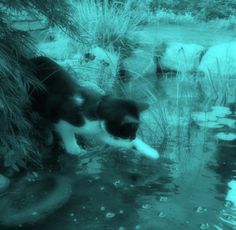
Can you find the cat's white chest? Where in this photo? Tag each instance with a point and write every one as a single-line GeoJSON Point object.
{"type": "Point", "coordinates": [67, 132]}
{"type": "Point", "coordinates": [89, 127]}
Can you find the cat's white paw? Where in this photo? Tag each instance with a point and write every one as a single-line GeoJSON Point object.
{"type": "Point", "coordinates": [145, 149]}
{"type": "Point", "coordinates": [75, 150]}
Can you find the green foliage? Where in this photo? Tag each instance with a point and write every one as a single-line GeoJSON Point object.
{"type": "Point", "coordinates": [106, 24]}
{"type": "Point", "coordinates": [14, 80]}
{"type": "Point", "coordinates": [202, 9]}
{"type": "Point", "coordinates": [17, 146]}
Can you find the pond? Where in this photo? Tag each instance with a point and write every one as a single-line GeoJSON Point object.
{"type": "Point", "coordinates": [185, 189]}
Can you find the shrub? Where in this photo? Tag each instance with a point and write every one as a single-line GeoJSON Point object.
{"type": "Point", "coordinates": [107, 25]}
{"type": "Point", "coordinates": [14, 80]}
{"type": "Point", "coordinates": [16, 145]}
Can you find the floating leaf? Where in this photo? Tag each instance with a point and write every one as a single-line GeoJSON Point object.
{"type": "Point", "coordinates": [226, 136]}
{"type": "Point", "coordinates": [220, 111]}
{"type": "Point", "coordinates": [227, 121]}
{"type": "Point", "coordinates": [203, 116]}
{"type": "Point", "coordinates": [211, 125]}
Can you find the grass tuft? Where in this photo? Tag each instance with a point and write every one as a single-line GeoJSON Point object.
{"type": "Point", "coordinates": [15, 78]}
{"type": "Point", "coordinates": [107, 25]}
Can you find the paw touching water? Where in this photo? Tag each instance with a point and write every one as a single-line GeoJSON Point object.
{"type": "Point", "coordinates": [145, 149]}
{"type": "Point", "coordinates": [75, 150]}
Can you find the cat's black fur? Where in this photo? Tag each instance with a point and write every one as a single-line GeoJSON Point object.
{"type": "Point", "coordinates": [58, 102]}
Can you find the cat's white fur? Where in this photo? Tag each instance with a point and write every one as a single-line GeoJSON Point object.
{"type": "Point", "coordinates": [97, 129]}
{"type": "Point", "coordinates": [68, 131]}
{"type": "Point", "coordinates": [79, 100]}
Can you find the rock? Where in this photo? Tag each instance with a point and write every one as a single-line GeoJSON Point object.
{"type": "Point", "coordinates": [178, 56]}
{"type": "Point", "coordinates": [144, 38]}
{"type": "Point", "coordinates": [59, 48]}
{"type": "Point", "coordinates": [140, 63]}
{"type": "Point", "coordinates": [98, 66]}
{"type": "Point", "coordinates": [219, 59]}
{"type": "Point", "coordinates": [94, 67]}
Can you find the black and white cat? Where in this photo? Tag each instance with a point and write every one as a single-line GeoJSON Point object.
{"type": "Point", "coordinates": [76, 110]}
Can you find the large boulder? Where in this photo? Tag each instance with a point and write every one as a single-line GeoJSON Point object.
{"type": "Point", "coordinates": [219, 66]}
{"type": "Point", "coordinates": [96, 67]}
{"type": "Point", "coordinates": [219, 60]}
{"type": "Point", "coordinates": [140, 63]}
{"type": "Point", "coordinates": [57, 46]}
{"type": "Point", "coordinates": [179, 57]}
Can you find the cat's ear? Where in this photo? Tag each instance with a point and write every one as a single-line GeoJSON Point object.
{"type": "Point", "coordinates": [142, 106]}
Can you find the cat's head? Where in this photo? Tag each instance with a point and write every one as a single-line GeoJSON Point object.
{"type": "Point", "coordinates": [121, 116]}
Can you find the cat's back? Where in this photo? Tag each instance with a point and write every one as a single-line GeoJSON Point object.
{"type": "Point", "coordinates": [53, 77]}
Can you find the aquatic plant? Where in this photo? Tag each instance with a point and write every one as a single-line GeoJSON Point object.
{"type": "Point", "coordinates": [215, 118]}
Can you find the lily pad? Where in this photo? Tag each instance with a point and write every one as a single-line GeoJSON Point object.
{"type": "Point", "coordinates": [227, 122]}
{"type": "Point", "coordinates": [226, 136]}
{"type": "Point", "coordinates": [203, 116]}
{"type": "Point", "coordinates": [215, 118]}
{"type": "Point", "coordinates": [220, 111]}
{"type": "Point", "coordinates": [210, 125]}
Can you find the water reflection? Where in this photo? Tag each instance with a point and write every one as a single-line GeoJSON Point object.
{"type": "Point", "coordinates": [117, 190]}
{"type": "Point", "coordinates": [226, 162]}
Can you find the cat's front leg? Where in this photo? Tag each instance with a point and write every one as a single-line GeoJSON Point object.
{"type": "Point", "coordinates": [145, 149]}
{"type": "Point", "coordinates": [72, 147]}
{"type": "Point", "coordinates": [67, 134]}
